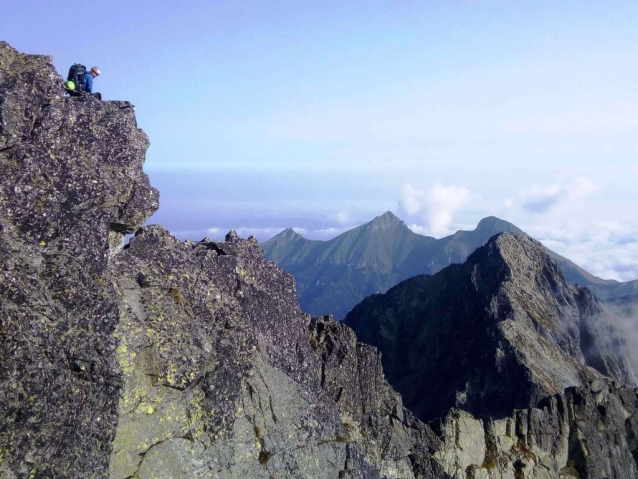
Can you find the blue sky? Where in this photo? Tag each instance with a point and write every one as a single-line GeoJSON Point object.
{"type": "Point", "coordinates": [321, 115]}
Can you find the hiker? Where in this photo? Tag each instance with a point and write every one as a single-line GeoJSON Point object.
{"type": "Point", "coordinates": [88, 82]}
{"type": "Point", "coordinates": [79, 80]}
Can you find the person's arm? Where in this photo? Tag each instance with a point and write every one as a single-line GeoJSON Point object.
{"type": "Point", "coordinates": [89, 82]}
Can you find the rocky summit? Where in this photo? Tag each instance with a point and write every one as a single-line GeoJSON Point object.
{"type": "Point", "coordinates": [165, 359]}
{"type": "Point", "coordinates": [71, 186]}
{"type": "Point", "coordinates": [501, 331]}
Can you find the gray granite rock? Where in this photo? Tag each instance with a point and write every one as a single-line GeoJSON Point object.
{"type": "Point", "coordinates": [224, 373]}
{"type": "Point", "coordinates": [71, 182]}
{"type": "Point", "coordinates": [583, 432]}
{"type": "Point", "coordinates": [162, 359]}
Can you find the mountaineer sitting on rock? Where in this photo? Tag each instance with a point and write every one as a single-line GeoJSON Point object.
{"type": "Point", "coordinates": [88, 81]}
{"type": "Point", "coordinates": [79, 81]}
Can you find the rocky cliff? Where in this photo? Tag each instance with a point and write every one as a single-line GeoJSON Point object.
{"type": "Point", "coordinates": [223, 376]}
{"type": "Point", "coordinates": [587, 432]}
{"type": "Point", "coordinates": [168, 359]}
{"type": "Point", "coordinates": [71, 185]}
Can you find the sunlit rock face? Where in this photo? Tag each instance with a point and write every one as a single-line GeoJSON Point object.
{"type": "Point", "coordinates": [169, 359]}
{"type": "Point", "coordinates": [223, 375]}
{"type": "Point", "coordinates": [583, 432]}
{"type": "Point", "coordinates": [71, 183]}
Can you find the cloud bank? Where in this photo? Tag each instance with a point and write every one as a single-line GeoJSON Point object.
{"type": "Point", "coordinates": [434, 207]}
{"type": "Point", "coordinates": [607, 249]}
{"type": "Point", "coordinates": [560, 216]}
{"type": "Point", "coordinates": [624, 317]}
{"type": "Point", "coordinates": [262, 234]}
{"type": "Point", "coordinates": [537, 199]}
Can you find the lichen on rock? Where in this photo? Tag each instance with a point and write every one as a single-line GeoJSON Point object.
{"type": "Point", "coordinates": [258, 390]}
{"type": "Point", "coordinates": [162, 358]}
{"type": "Point", "coordinates": [71, 173]}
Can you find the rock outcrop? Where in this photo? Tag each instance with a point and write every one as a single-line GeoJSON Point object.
{"type": "Point", "coordinates": [175, 360]}
{"type": "Point", "coordinates": [71, 185]}
{"type": "Point", "coordinates": [223, 376]}
{"type": "Point", "coordinates": [587, 432]}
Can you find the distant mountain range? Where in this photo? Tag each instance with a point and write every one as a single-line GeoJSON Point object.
{"type": "Point", "coordinates": [333, 276]}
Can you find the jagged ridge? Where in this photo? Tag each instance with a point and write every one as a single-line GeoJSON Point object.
{"type": "Point", "coordinates": [165, 358]}
{"type": "Point", "coordinates": [333, 276]}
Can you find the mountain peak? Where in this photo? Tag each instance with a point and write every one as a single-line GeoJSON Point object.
{"type": "Point", "coordinates": [388, 216]}
{"type": "Point", "coordinates": [507, 244]}
{"type": "Point", "coordinates": [492, 223]}
{"type": "Point", "coordinates": [508, 319]}
{"type": "Point", "coordinates": [387, 220]}
{"type": "Point", "coordinates": [286, 235]}
{"type": "Point", "coordinates": [521, 253]}
{"type": "Point", "coordinates": [290, 233]}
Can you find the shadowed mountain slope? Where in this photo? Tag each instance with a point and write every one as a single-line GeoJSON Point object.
{"type": "Point", "coordinates": [333, 276]}
{"type": "Point", "coordinates": [498, 332]}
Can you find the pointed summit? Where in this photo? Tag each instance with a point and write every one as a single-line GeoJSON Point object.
{"type": "Point", "coordinates": [285, 245]}
{"type": "Point", "coordinates": [289, 233]}
{"type": "Point", "coordinates": [387, 217]}
{"type": "Point", "coordinates": [387, 220]}
{"type": "Point", "coordinates": [286, 236]}
{"type": "Point", "coordinates": [497, 225]}
{"type": "Point", "coordinates": [333, 276]}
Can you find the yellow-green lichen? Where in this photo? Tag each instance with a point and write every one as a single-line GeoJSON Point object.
{"type": "Point", "coordinates": [176, 294]}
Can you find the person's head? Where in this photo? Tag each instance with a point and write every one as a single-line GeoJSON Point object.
{"type": "Point", "coordinates": [95, 71]}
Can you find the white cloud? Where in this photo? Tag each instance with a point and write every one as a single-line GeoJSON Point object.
{"type": "Point", "coordinates": [412, 199]}
{"type": "Point", "coordinates": [418, 229]}
{"type": "Point", "coordinates": [199, 234]}
{"type": "Point", "coordinates": [537, 199]}
{"type": "Point", "coordinates": [214, 232]}
{"type": "Point", "coordinates": [625, 319]}
{"type": "Point", "coordinates": [434, 207]}
{"type": "Point", "coordinates": [561, 216]}
{"type": "Point", "coordinates": [582, 188]}
{"type": "Point", "coordinates": [343, 218]}
{"type": "Point", "coordinates": [218, 234]}
{"type": "Point", "coordinates": [323, 233]}
{"type": "Point", "coordinates": [606, 249]}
